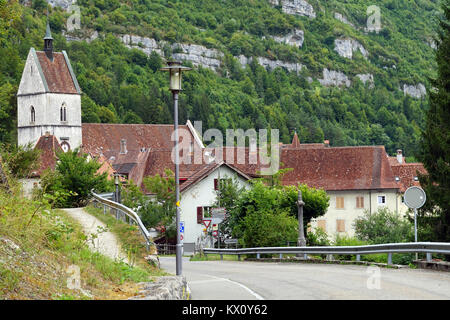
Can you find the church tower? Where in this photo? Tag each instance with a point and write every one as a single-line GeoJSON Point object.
{"type": "Point", "coordinates": [49, 98]}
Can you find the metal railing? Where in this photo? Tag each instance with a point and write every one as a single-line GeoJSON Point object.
{"type": "Point", "coordinates": [121, 212]}
{"type": "Point", "coordinates": [410, 247]}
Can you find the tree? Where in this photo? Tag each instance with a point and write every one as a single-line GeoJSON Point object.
{"type": "Point", "coordinates": [74, 177]}
{"type": "Point", "coordinates": [262, 205]}
{"type": "Point", "coordinates": [160, 210]}
{"type": "Point", "coordinates": [21, 160]}
{"type": "Point", "coordinates": [435, 144]}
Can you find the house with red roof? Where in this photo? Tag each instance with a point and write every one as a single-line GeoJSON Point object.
{"type": "Point", "coordinates": [49, 117]}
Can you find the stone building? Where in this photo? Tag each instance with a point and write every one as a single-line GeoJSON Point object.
{"type": "Point", "coordinates": [49, 98]}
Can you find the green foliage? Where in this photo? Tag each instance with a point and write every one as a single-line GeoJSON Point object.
{"type": "Point", "coordinates": [161, 209]}
{"type": "Point", "coordinates": [21, 160]}
{"type": "Point", "coordinates": [261, 206]}
{"type": "Point", "coordinates": [435, 146]}
{"type": "Point", "coordinates": [383, 226]}
{"type": "Point", "coordinates": [72, 181]}
{"type": "Point", "coordinates": [317, 237]}
{"type": "Point", "coordinates": [264, 228]}
{"type": "Point", "coordinates": [112, 75]}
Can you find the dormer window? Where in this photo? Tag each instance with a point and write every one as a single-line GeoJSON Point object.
{"type": "Point", "coordinates": [63, 113]}
{"type": "Point", "coordinates": [33, 115]}
{"type": "Point", "coordinates": [123, 146]}
{"type": "Point", "coordinates": [416, 178]}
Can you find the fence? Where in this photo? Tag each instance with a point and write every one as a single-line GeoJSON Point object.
{"type": "Point", "coordinates": [411, 247]}
{"type": "Point", "coordinates": [165, 249]}
{"type": "Point", "coordinates": [123, 213]}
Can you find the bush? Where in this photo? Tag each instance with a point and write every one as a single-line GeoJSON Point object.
{"type": "Point", "coordinates": [317, 237]}
{"type": "Point", "coordinates": [266, 229]}
{"type": "Point", "coordinates": [71, 183]}
{"type": "Point", "coordinates": [383, 226]}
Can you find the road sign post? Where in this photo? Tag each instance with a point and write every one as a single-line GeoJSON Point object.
{"type": "Point", "coordinates": [415, 198]}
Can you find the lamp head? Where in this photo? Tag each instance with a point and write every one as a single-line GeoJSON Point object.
{"type": "Point", "coordinates": [175, 69]}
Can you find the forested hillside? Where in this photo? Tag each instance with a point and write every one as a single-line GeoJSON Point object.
{"type": "Point", "coordinates": [335, 79]}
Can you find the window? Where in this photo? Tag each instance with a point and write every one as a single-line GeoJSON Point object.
{"type": "Point", "coordinates": [203, 213]}
{"type": "Point", "coordinates": [340, 225]}
{"type": "Point", "coordinates": [63, 113]}
{"type": "Point", "coordinates": [381, 200]}
{"type": "Point", "coordinates": [339, 202]}
{"type": "Point", "coordinates": [33, 115]}
{"type": "Point", "coordinates": [359, 202]}
{"type": "Point", "coordinates": [322, 224]}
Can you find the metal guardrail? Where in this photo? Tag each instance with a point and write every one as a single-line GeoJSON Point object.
{"type": "Point", "coordinates": [121, 211]}
{"type": "Point", "coordinates": [389, 248]}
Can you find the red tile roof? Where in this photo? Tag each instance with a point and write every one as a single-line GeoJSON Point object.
{"type": "Point", "coordinates": [49, 146]}
{"type": "Point", "coordinates": [406, 172]}
{"type": "Point", "coordinates": [57, 73]}
{"type": "Point", "coordinates": [104, 138]}
{"type": "Point", "coordinates": [339, 168]}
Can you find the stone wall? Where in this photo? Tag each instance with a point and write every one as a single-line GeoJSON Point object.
{"type": "Point", "coordinates": [165, 288]}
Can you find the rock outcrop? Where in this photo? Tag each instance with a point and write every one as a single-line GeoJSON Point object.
{"type": "Point", "coordinates": [296, 7]}
{"type": "Point", "coordinates": [343, 19]}
{"type": "Point", "coordinates": [417, 91]}
{"type": "Point", "coordinates": [366, 78]}
{"type": "Point", "coordinates": [271, 64]}
{"type": "Point", "coordinates": [198, 55]}
{"type": "Point", "coordinates": [346, 47]}
{"type": "Point", "coordinates": [294, 38]}
{"type": "Point", "coordinates": [334, 78]}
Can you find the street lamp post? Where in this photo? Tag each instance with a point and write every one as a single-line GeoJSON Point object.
{"type": "Point", "coordinates": [175, 69]}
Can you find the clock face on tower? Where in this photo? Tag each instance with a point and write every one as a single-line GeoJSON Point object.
{"type": "Point", "coordinates": [65, 146]}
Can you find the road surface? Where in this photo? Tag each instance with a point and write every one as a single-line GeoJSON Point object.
{"type": "Point", "coordinates": [237, 280]}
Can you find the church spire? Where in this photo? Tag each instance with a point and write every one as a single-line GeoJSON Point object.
{"type": "Point", "coordinates": [48, 41]}
{"type": "Point", "coordinates": [295, 141]}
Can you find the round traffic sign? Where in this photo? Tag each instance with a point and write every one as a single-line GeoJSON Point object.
{"type": "Point", "coordinates": [415, 197]}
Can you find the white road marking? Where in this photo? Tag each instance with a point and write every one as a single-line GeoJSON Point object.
{"type": "Point", "coordinates": [253, 293]}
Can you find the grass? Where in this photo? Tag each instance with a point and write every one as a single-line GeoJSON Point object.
{"type": "Point", "coordinates": [214, 257]}
{"type": "Point", "coordinates": [40, 248]}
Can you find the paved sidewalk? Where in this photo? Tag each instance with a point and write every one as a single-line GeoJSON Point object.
{"type": "Point", "coordinates": [106, 242]}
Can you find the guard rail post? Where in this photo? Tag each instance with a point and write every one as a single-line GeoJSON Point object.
{"type": "Point", "coordinates": [358, 257]}
{"type": "Point", "coordinates": [429, 256]}
{"type": "Point", "coordinates": [389, 258]}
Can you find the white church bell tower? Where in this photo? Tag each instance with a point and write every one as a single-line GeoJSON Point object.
{"type": "Point", "coordinates": [49, 98]}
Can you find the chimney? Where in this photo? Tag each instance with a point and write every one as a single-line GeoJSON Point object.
{"type": "Point", "coordinates": [123, 146]}
{"type": "Point", "coordinates": [399, 156]}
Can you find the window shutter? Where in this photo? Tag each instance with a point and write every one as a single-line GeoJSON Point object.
{"type": "Point", "coordinates": [200, 215]}
{"type": "Point", "coordinates": [215, 184]}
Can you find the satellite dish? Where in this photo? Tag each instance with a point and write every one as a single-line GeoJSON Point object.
{"type": "Point", "coordinates": [415, 197]}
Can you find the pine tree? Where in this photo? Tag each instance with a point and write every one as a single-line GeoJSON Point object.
{"type": "Point", "coordinates": [435, 148]}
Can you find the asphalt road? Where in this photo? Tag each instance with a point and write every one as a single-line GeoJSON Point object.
{"type": "Point", "coordinates": [239, 280]}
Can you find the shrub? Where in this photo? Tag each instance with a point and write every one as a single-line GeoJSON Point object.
{"type": "Point", "coordinates": [383, 226]}
{"type": "Point", "coordinates": [317, 237]}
